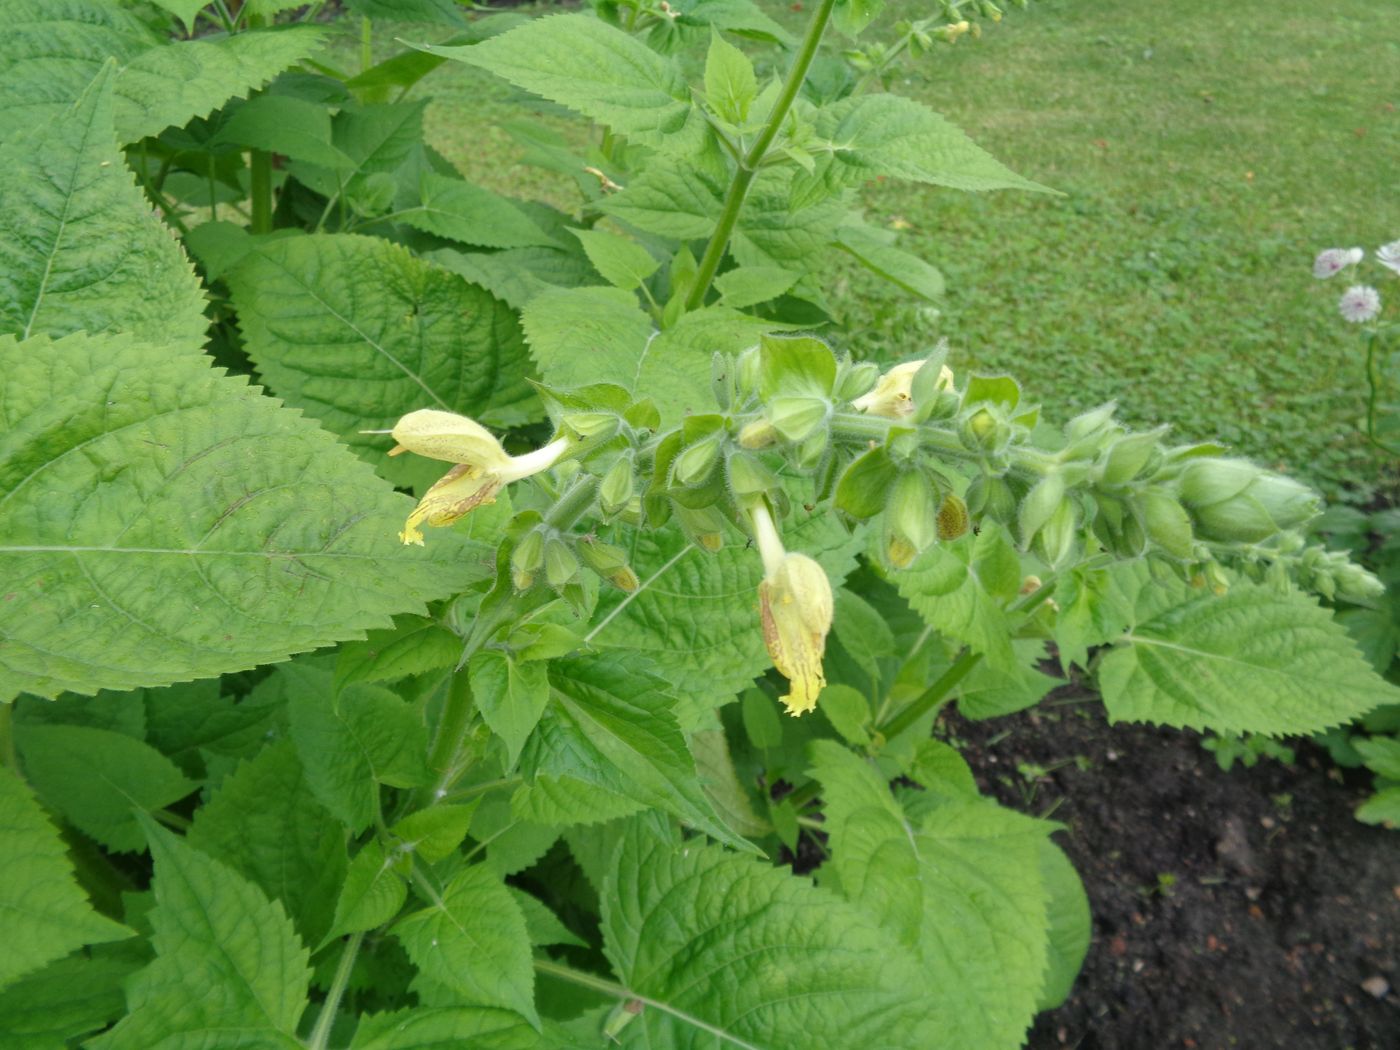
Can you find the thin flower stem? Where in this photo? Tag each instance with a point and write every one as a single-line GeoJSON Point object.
{"type": "Point", "coordinates": [1373, 381]}
{"type": "Point", "coordinates": [471, 791]}
{"type": "Point", "coordinates": [322, 1032]}
{"type": "Point", "coordinates": [749, 165]}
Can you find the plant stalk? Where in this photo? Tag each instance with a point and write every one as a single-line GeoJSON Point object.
{"type": "Point", "coordinates": [260, 189]}
{"type": "Point", "coordinates": [322, 1032]}
{"type": "Point", "coordinates": [749, 165]}
{"type": "Point", "coordinates": [452, 732]}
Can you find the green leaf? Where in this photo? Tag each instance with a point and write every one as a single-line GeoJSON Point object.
{"type": "Point", "coordinates": [874, 249]}
{"type": "Point", "coordinates": [358, 332]}
{"type": "Point", "coordinates": [720, 781]}
{"type": "Point", "coordinates": [47, 915]}
{"type": "Point", "coordinates": [53, 50]}
{"type": "Point", "coordinates": [190, 723]}
{"type": "Point", "coordinates": [992, 690]}
{"type": "Point", "coordinates": [612, 725]}
{"type": "Point", "coordinates": [517, 275]}
{"type": "Point", "coordinates": [750, 285]}
{"type": "Point", "coordinates": [884, 134]}
{"type": "Point", "coordinates": [232, 534]}
{"type": "Point", "coordinates": [265, 824]}
{"type": "Point", "coordinates": [580, 336]}
{"type": "Point", "coordinates": [730, 83]}
{"type": "Point", "coordinates": [728, 951]}
{"type": "Point", "coordinates": [440, 12]}
{"type": "Point", "coordinates": [168, 86]}
{"type": "Point", "coordinates": [564, 800]}
{"type": "Point", "coordinates": [353, 740]}
{"type": "Point", "coordinates": [963, 885]}
{"type": "Point", "coordinates": [1252, 661]}
{"type": "Point", "coordinates": [473, 940]}
{"type": "Point", "coordinates": [414, 645]}
{"type": "Point", "coordinates": [962, 588]}
{"type": "Point", "coordinates": [53, 1007]}
{"type": "Point", "coordinates": [184, 10]}
{"type": "Point", "coordinates": [670, 198]}
{"type": "Point", "coordinates": [79, 246]}
{"type": "Point", "coordinates": [436, 832]}
{"type": "Point", "coordinates": [463, 212]}
{"type": "Point", "coordinates": [1381, 808]}
{"type": "Point", "coordinates": [510, 695]}
{"type": "Point", "coordinates": [542, 924]}
{"type": "Point", "coordinates": [591, 68]}
{"type": "Point", "coordinates": [852, 16]}
{"type": "Point", "coordinates": [98, 780]}
{"type": "Point", "coordinates": [377, 139]}
{"type": "Point", "coordinates": [1071, 925]}
{"type": "Point", "coordinates": [1381, 754]}
{"type": "Point", "coordinates": [623, 263]}
{"type": "Point", "coordinates": [373, 892]}
{"type": "Point", "coordinates": [229, 969]}
{"type": "Point", "coordinates": [445, 1028]}
{"type": "Point", "coordinates": [695, 617]}
{"type": "Point", "coordinates": [294, 127]}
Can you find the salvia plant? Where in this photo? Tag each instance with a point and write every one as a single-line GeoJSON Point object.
{"type": "Point", "coordinates": [475, 677]}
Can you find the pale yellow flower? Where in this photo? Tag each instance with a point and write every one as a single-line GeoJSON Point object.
{"type": "Point", "coordinates": [482, 467]}
{"type": "Point", "coordinates": [893, 395]}
{"type": "Point", "coordinates": [796, 607]}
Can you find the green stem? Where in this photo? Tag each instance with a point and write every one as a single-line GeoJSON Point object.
{"type": "Point", "coordinates": [618, 991]}
{"type": "Point", "coordinates": [1373, 381]}
{"type": "Point", "coordinates": [171, 820]}
{"type": "Point", "coordinates": [576, 499]}
{"type": "Point", "coordinates": [213, 192]}
{"type": "Point", "coordinates": [453, 727]}
{"type": "Point", "coordinates": [748, 167]}
{"type": "Point", "coordinates": [322, 1032]}
{"type": "Point", "coordinates": [260, 189]}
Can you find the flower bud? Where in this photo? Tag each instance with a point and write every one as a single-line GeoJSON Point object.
{"type": "Point", "coordinates": [527, 559]}
{"type": "Point", "coordinates": [586, 426]}
{"type": "Point", "coordinates": [983, 432]}
{"type": "Point", "coordinates": [1129, 456]}
{"type": "Point", "coordinates": [748, 476]}
{"type": "Point", "coordinates": [608, 561]}
{"type": "Point", "coordinates": [796, 418]}
{"type": "Point", "coordinates": [911, 519]}
{"type": "Point", "coordinates": [1091, 422]}
{"type": "Point", "coordinates": [1234, 501]}
{"type": "Point", "coordinates": [1058, 538]}
{"type": "Point", "coordinates": [857, 380]}
{"type": "Point", "coordinates": [722, 380]}
{"type": "Point", "coordinates": [893, 396]}
{"type": "Point", "coordinates": [1167, 523]}
{"type": "Point", "coordinates": [694, 465]}
{"type": "Point", "coordinates": [758, 434]}
{"type": "Point", "coordinates": [560, 563]}
{"type": "Point", "coordinates": [991, 497]}
{"type": "Point", "coordinates": [704, 526]}
{"type": "Point", "coordinates": [746, 370]}
{"type": "Point", "coordinates": [952, 518]}
{"type": "Point", "coordinates": [617, 487]}
{"type": "Point", "coordinates": [1039, 505]}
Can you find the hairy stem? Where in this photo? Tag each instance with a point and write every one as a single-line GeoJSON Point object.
{"type": "Point", "coordinates": [749, 165]}
{"type": "Point", "coordinates": [322, 1032]}
{"type": "Point", "coordinates": [452, 730]}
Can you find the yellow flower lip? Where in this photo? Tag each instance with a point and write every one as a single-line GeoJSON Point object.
{"type": "Point", "coordinates": [460, 491]}
{"type": "Point", "coordinates": [796, 609]}
{"type": "Point", "coordinates": [447, 436]}
{"type": "Point", "coordinates": [893, 396]}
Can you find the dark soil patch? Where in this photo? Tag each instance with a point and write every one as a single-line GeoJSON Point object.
{"type": "Point", "coordinates": [1231, 910]}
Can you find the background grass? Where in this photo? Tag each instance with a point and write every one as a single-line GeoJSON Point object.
{"type": "Point", "coordinates": [1206, 152]}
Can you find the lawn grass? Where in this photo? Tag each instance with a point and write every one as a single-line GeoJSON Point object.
{"type": "Point", "coordinates": [1205, 152]}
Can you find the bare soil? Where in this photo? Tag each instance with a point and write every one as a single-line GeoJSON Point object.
{"type": "Point", "coordinates": [1243, 909]}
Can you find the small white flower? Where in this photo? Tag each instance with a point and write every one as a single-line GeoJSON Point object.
{"type": "Point", "coordinates": [1388, 255]}
{"type": "Point", "coordinates": [1334, 260]}
{"type": "Point", "coordinates": [1360, 303]}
